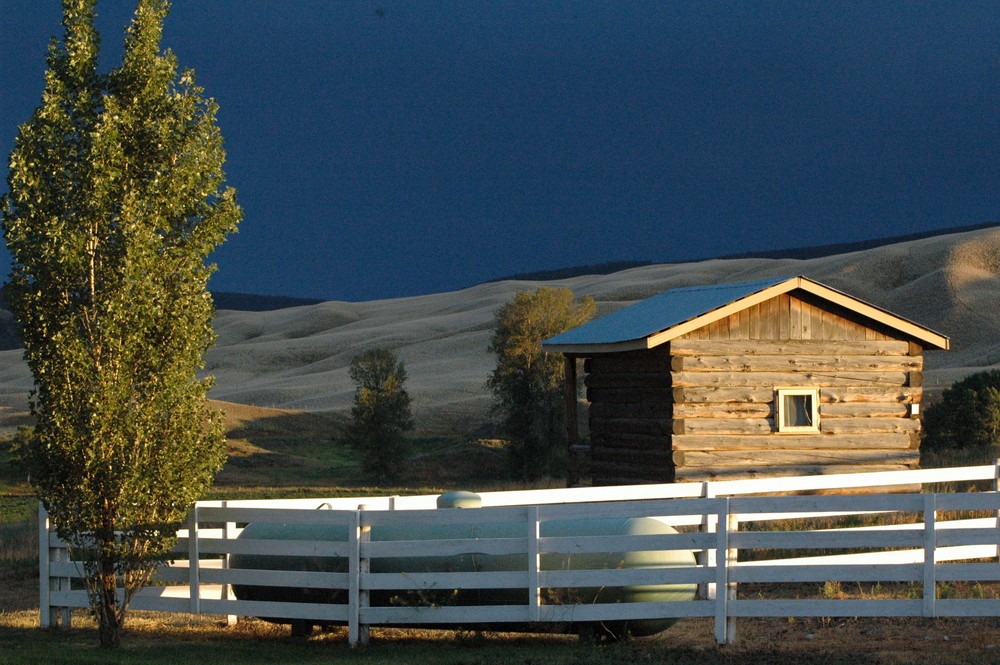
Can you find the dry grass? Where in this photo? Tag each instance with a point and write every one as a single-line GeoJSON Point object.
{"type": "Point", "coordinates": [161, 638]}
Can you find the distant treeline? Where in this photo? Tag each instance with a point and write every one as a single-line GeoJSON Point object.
{"type": "Point", "coordinates": [790, 253]}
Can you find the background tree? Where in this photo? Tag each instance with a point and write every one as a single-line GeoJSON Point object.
{"type": "Point", "coordinates": [527, 383]}
{"type": "Point", "coordinates": [381, 412]}
{"type": "Point", "coordinates": [968, 415]}
{"type": "Point", "coordinates": [115, 201]}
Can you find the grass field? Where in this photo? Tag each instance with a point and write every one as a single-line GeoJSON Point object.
{"type": "Point", "coordinates": [287, 454]}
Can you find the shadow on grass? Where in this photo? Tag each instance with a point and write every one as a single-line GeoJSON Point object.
{"type": "Point", "coordinates": [773, 643]}
{"type": "Point", "coordinates": [288, 448]}
{"type": "Point", "coordinates": [280, 448]}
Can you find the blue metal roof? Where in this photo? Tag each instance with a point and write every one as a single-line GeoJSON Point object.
{"type": "Point", "coordinates": [659, 313]}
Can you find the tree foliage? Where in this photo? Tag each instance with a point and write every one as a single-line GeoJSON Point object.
{"type": "Point", "coordinates": [381, 412]}
{"type": "Point", "coordinates": [968, 415]}
{"type": "Point", "coordinates": [115, 201]}
{"type": "Point", "coordinates": [527, 383]}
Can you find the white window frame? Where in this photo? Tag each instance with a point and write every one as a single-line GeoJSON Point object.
{"type": "Point", "coordinates": [779, 412]}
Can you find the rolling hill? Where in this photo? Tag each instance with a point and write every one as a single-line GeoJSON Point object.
{"type": "Point", "coordinates": [297, 357]}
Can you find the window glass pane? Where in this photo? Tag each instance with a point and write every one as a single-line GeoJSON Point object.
{"type": "Point", "coordinates": [798, 410]}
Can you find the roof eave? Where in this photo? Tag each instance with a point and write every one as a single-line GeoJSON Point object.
{"type": "Point", "coordinates": [594, 349]}
{"type": "Point", "coordinates": [908, 328]}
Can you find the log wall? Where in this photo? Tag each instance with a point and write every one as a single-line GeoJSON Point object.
{"type": "Point", "coordinates": [702, 407]}
{"type": "Point", "coordinates": [631, 419]}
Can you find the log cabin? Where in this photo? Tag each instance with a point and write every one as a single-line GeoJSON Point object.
{"type": "Point", "coordinates": [765, 378]}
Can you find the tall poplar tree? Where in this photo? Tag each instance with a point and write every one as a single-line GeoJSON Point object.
{"type": "Point", "coordinates": [115, 202]}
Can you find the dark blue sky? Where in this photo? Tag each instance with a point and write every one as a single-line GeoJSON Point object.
{"type": "Point", "coordinates": [385, 149]}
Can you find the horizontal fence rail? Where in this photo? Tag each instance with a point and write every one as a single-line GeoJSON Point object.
{"type": "Point", "coordinates": [556, 559]}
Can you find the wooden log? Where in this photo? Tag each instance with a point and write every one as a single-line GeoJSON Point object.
{"type": "Point", "coordinates": [633, 380]}
{"type": "Point", "coordinates": [725, 410]}
{"type": "Point", "coordinates": [703, 474]}
{"type": "Point", "coordinates": [833, 394]}
{"type": "Point", "coordinates": [654, 426]}
{"type": "Point", "coordinates": [864, 410]}
{"type": "Point", "coordinates": [695, 394]}
{"type": "Point", "coordinates": [628, 440]}
{"type": "Point", "coordinates": [627, 410]}
{"type": "Point", "coordinates": [638, 465]}
{"type": "Point", "coordinates": [765, 458]}
{"type": "Point", "coordinates": [901, 394]}
{"type": "Point", "coordinates": [698, 347]}
{"type": "Point", "coordinates": [862, 441]}
{"type": "Point", "coordinates": [804, 379]}
{"type": "Point", "coordinates": [623, 477]}
{"type": "Point", "coordinates": [796, 363]}
{"type": "Point", "coordinates": [743, 426]}
{"type": "Point", "coordinates": [630, 396]}
{"type": "Point", "coordinates": [658, 361]}
{"type": "Point", "coordinates": [612, 456]}
{"type": "Point", "coordinates": [861, 425]}
{"type": "Point", "coordinates": [915, 379]}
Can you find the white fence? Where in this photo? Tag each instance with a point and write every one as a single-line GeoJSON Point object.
{"type": "Point", "coordinates": [926, 541]}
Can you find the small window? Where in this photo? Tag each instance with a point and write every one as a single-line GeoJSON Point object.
{"type": "Point", "coordinates": [798, 410]}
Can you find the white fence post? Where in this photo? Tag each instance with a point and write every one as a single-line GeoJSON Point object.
{"type": "Point", "coordinates": [732, 556]}
{"type": "Point", "coordinates": [930, 555]}
{"type": "Point", "coordinates": [357, 566]}
{"type": "Point", "coordinates": [534, 564]}
{"type": "Point", "coordinates": [49, 616]}
{"type": "Point", "coordinates": [996, 488]}
{"type": "Point", "coordinates": [46, 616]}
{"type": "Point", "coordinates": [63, 584]}
{"type": "Point", "coordinates": [228, 534]}
{"type": "Point", "coordinates": [194, 575]}
{"type": "Point", "coordinates": [725, 627]}
{"type": "Point", "coordinates": [706, 557]}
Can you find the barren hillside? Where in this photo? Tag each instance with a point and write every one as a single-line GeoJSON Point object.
{"type": "Point", "coordinates": [297, 358]}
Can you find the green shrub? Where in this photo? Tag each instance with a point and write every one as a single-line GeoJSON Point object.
{"type": "Point", "coordinates": [527, 382]}
{"type": "Point", "coordinates": [968, 415]}
{"type": "Point", "coordinates": [381, 412]}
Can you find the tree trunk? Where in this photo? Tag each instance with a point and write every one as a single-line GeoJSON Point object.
{"type": "Point", "coordinates": [111, 620]}
{"type": "Point", "coordinates": [110, 616]}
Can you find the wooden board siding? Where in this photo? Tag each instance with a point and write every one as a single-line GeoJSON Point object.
{"type": "Point", "coordinates": [789, 317]}
{"type": "Point", "coordinates": [701, 407]}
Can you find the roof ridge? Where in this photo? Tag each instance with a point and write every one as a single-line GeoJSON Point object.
{"type": "Point", "coordinates": [657, 319]}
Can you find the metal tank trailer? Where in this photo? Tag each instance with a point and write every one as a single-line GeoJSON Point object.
{"type": "Point", "coordinates": [471, 562]}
